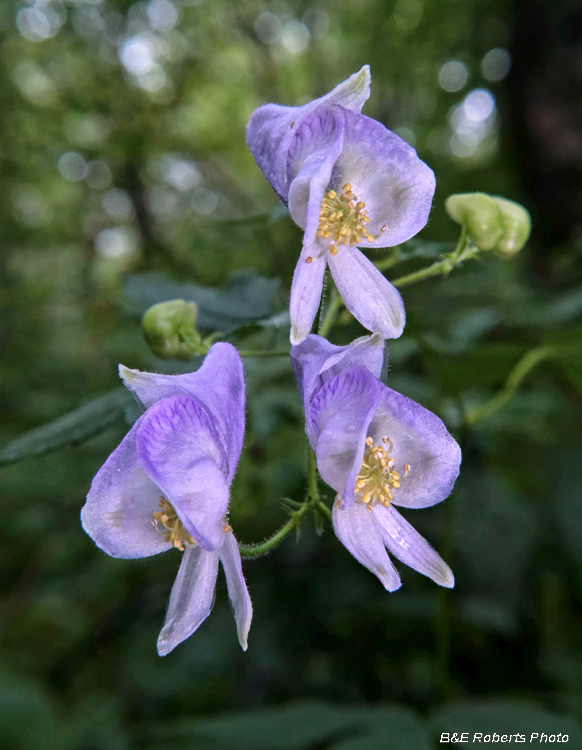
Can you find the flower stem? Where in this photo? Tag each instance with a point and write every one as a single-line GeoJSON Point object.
{"type": "Point", "coordinates": [333, 308]}
{"type": "Point", "coordinates": [312, 502]}
{"type": "Point", "coordinates": [519, 372]}
{"type": "Point", "coordinates": [463, 251]}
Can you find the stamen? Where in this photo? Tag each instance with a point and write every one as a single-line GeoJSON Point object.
{"type": "Point", "coordinates": [343, 219]}
{"type": "Point", "coordinates": [169, 526]}
{"type": "Point", "coordinates": [309, 259]}
{"type": "Point", "coordinates": [378, 477]}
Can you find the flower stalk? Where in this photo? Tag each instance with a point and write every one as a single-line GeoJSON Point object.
{"type": "Point", "coordinates": [312, 502]}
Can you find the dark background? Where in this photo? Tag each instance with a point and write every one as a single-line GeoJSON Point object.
{"type": "Point", "coordinates": [123, 165]}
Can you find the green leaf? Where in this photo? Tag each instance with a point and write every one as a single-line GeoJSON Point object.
{"type": "Point", "coordinates": [300, 726]}
{"type": "Point", "coordinates": [501, 716]}
{"type": "Point", "coordinates": [246, 297]}
{"type": "Point", "coordinates": [72, 429]}
{"type": "Point", "coordinates": [390, 727]}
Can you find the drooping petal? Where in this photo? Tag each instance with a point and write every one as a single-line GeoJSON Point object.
{"type": "Point", "coordinates": [179, 450]}
{"type": "Point", "coordinates": [405, 543]}
{"type": "Point", "coordinates": [219, 384]}
{"type": "Point", "coordinates": [191, 599]}
{"type": "Point", "coordinates": [422, 441]}
{"type": "Point", "coordinates": [315, 361]}
{"type": "Point", "coordinates": [367, 294]}
{"type": "Point", "coordinates": [337, 427]}
{"type": "Point", "coordinates": [358, 531]}
{"type": "Point", "coordinates": [120, 505]}
{"type": "Point", "coordinates": [387, 175]}
{"type": "Point", "coordinates": [272, 127]}
{"type": "Point", "coordinates": [305, 295]}
{"type": "Point", "coordinates": [237, 588]}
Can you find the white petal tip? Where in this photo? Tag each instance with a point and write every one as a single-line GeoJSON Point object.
{"type": "Point", "coordinates": [448, 582]}
{"type": "Point", "coordinates": [297, 338]}
{"type": "Point", "coordinates": [127, 374]}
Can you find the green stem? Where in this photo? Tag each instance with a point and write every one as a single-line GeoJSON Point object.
{"type": "Point", "coordinates": [312, 502]}
{"type": "Point", "coordinates": [312, 488]}
{"type": "Point", "coordinates": [464, 251]}
{"type": "Point", "coordinates": [256, 550]}
{"type": "Point", "coordinates": [335, 304]}
{"type": "Point", "coordinates": [519, 372]}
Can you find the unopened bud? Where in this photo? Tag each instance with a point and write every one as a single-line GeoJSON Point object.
{"type": "Point", "coordinates": [491, 223]}
{"type": "Point", "coordinates": [516, 227]}
{"type": "Point", "coordinates": [170, 329]}
{"type": "Point", "coordinates": [480, 215]}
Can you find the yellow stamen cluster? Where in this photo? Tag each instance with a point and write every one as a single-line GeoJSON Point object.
{"type": "Point", "coordinates": [168, 525]}
{"type": "Point", "coordinates": [343, 219]}
{"type": "Point", "coordinates": [378, 477]}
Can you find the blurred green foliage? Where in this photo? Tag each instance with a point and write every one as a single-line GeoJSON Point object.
{"type": "Point", "coordinates": [124, 174]}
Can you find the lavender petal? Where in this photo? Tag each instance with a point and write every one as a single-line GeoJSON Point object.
{"type": "Point", "coordinates": [237, 588]}
{"type": "Point", "coordinates": [422, 441]}
{"type": "Point", "coordinates": [272, 127]}
{"type": "Point", "coordinates": [358, 531]}
{"type": "Point", "coordinates": [191, 599]}
{"type": "Point", "coordinates": [337, 427]}
{"type": "Point", "coordinates": [367, 294]}
{"type": "Point", "coordinates": [405, 543]}
{"type": "Point", "coordinates": [179, 450]}
{"type": "Point", "coordinates": [315, 361]}
{"type": "Point", "coordinates": [119, 508]}
{"type": "Point", "coordinates": [218, 384]}
{"type": "Point", "coordinates": [387, 175]}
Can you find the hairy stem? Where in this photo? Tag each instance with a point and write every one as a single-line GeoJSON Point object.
{"type": "Point", "coordinates": [333, 308]}
{"type": "Point", "coordinates": [312, 502]}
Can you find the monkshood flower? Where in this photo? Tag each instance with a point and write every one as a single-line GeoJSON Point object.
{"type": "Point", "coordinates": [167, 486]}
{"type": "Point", "coordinates": [348, 182]}
{"type": "Point", "coordinates": [377, 449]}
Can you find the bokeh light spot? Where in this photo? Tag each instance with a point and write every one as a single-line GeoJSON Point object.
{"type": "Point", "coordinates": [496, 64]}
{"type": "Point", "coordinates": [72, 166]}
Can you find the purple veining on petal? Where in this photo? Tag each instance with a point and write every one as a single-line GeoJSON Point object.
{"type": "Point", "coordinates": [180, 451]}
{"type": "Point", "coordinates": [315, 361]}
{"type": "Point", "coordinates": [218, 384]}
{"type": "Point", "coordinates": [183, 452]}
{"type": "Point", "coordinates": [358, 531]}
{"type": "Point", "coordinates": [272, 127]}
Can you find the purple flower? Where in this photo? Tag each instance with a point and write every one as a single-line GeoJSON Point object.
{"type": "Point", "coordinates": [167, 485]}
{"type": "Point", "coordinates": [377, 449]}
{"type": "Point", "coordinates": [348, 182]}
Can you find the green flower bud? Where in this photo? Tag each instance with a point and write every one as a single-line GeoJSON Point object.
{"type": "Point", "coordinates": [516, 227]}
{"type": "Point", "coordinates": [492, 223]}
{"type": "Point", "coordinates": [480, 215]}
{"type": "Point", "coordinates": [170, 329]}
